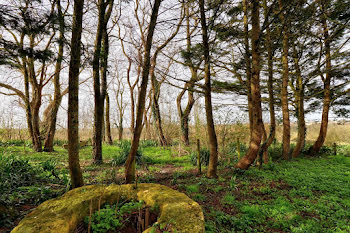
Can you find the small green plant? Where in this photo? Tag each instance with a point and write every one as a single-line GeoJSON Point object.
{"type": "Point", "coordinates": [204, 155]}
{"type": "Point", "coordinates": [122, 156]}
{"type": "Point", "coordinates": [193, 188]}
{"type": "Point", "coordinates": [228, 200]}
{"type": "Point", "coordinates": [110, 218]}
{"type": "Point", "coordinates": [233, 183]}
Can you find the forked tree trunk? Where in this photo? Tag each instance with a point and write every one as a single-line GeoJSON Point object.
{"type": "Point", "coordinates": [213, 142]}
{"type": "Point", "coordinates": [108, 122]}
{"type": "Point", "coordinates": [130, 162]}
{"type": "Point", "coordinates": [156, 110]}
{"type": "Point", "coordinates": [326, 85]}
{"type": "Point", "coordinates": [100, 77]}
{"type": "Point", "coordinates": [284, 92]}
{"type": "Point", "coordinates": [50, 135]}
{"type": "Point", "coordinates": [256, 135]}
{"type": "Point", "coordinates": [73, 100]}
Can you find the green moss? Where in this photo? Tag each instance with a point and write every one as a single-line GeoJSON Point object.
{"type": "Point", "coordinates": [64, 213]}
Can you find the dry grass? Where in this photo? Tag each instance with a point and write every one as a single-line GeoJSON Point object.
{"type": "Point", "coordinates": [225, 133]}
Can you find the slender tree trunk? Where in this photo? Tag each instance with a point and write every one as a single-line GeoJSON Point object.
{"type": "Point", "coordinates": [300, 108]}
{"type": "Point", "coordinates": [184, 115]}
{"type": "Point", "coordinates": [326, 85]}
{"type": "Point", "coordinates": [284, 92]}
{"type": "Point", "coordinates": [248, 64]}
{"type": "Point", "coordinates": [156, 110]}
{"type": "Point", "coordinates": [255, 138]}
{"type": "Point", "coordinates": [48, 144]}
{"type": "Point", "coordinates": [213, 159]}
{"type": "Point", "coordinates": [99, 102]}
{"type": "Point", "coordinates": [108, 122]}
{"type": "Point", "coordinates": [130, 163]}
{"type": "Point", "coordinates": [36, 120]}
{"type": "Point", "coordinates": [73, 100]}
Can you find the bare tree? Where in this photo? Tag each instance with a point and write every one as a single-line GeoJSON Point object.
{"type": "Point", "coordinates": [73, 98]}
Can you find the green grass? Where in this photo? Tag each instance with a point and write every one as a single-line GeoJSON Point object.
{"type": "Point", "coordinates": [301, 195]}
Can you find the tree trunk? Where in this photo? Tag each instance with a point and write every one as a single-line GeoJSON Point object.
{"type": "Point", "coordinates": [108, 122]}
{"type": "Point", "coordinates": [256, 135]}
{"type": "Point", "coordinates": [184, 115]}
{"type": "Point", "coordinates": [326, 86]}
{"type": "Point", "coordinates": [73, 100]}
{"type": "Point", "coordinates": [129, 168]}
{"type": "Point", "coordinates": [99, 102]}
{"type": "Point", "coordinates": [272, 133]}
{"type": "Point", "coordinates": [247, 63]}
{"type": "Point", "coordinates": [213, 159]}
{"type": "Point", "coordinates": [284, 92]}
{"type": "Point", "coordinates": [300, 108]}
{"type": "Point", "coordinates": [100, 77]}
{"type": "Point", "coordinates": [156, 110]}
{"type": "Point", "coordinates": [48, 144]}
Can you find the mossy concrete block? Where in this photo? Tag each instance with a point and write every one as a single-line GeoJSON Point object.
{"type": "Point", "coordinates": [62, 214]}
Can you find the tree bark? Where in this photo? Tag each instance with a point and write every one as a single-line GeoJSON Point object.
{"type": "Point", "coordinates": [108, 122]}
{"type": "Point", "coordinates": [255, 139]}
{"type": "Point", "coordinates": [326, 85]}
{"type": "Point", "coordinates": [247, 64]}
{"type": "Point", "coordinates": [300, 107]}
{"type": "Point", "coordinates": [130, 162]}
{"type": "Point", "coordinates": [213, 142]}
{"type": "Point", "coordinates": [73, 100]}
{"type": "Point", "coordinates": [284, 92]}
{"type": "Point", "coordinates": [100, 76]}
{"type": "Point", "coordinates": [48, 143]}
{"type": "Point", "coordinates": [267, 143]}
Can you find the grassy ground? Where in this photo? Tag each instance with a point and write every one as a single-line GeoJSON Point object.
{"type": "Point", "coordinates": [303, 195]}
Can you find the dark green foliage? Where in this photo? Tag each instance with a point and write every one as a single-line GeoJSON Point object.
{"type": "Point", "coordinates": [204, 154]}
{"type": "Point", "coordinates": [123, 154]}
{"type": "Point", "coordinates": [112, 217]}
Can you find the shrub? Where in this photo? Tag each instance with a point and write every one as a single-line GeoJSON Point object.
{"type": "Point", "coordinates": [204, 155]}
{"type": "Point", "coordinates": [123, 154]}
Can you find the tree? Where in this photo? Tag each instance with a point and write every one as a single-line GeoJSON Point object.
{"type": "Point", "coordinates": [108, 122]}
{"type": "Point", "coordinates": [213, 159]}
{"type": "Point", "coordinates": [27, 27]}
{"type": "Point", "coordinates": [130, 162]}
{"type": "Point", "coordinates": [99, 65]}
{"type": "Point", "coordinates": [256, 134]}
{"type": "Point", "coordinates": [285, 80]}
{"type": "Point", "coordinates": [73, 97]}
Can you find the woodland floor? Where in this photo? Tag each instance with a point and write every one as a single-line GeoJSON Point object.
{"type": "Point", "coordinates": [302, 195]}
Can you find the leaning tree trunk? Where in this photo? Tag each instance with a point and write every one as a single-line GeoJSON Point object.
{"type": "Point", "coordinates": [213, 142]}
{"type": "Point", "coordinates": [326, 86]}
{"type": "Point", "coordinates": [284, 92]}
{"type": "Point", "coordinates": [73, 100]}
{"type": "Point", "coordinates": [130, 162]}
{"type": "Point", "coordinates": [108, 122]}
{"type": "Point", "coordinates": [267, 143]}
{"type": "Point", "coordinates": [48, 143]}
{"type": "Point", "coordinates": [255, 139]}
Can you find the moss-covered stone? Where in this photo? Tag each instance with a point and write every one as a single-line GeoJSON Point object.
{"type": "Point", "coordinates": [64, 213]}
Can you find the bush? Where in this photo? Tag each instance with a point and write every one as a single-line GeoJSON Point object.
{"type": "Point", "coordinates": [232, 149]}
{"type": "Point", "coordinates": [16, 143]}
{"type": "Point", "coordinates": [204, 155]}
{"type": "Point", "coordinates": [122, 156]}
